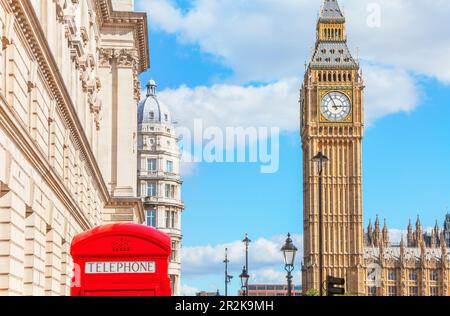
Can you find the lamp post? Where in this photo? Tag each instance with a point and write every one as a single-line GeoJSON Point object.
{"type": "Point", "coordinates": [289, 252]}
{"type": "Point", "coordinates": [246, 242]}
{"type": "Point", "coordinates": [227, 277]}
{"type": "Point", "coordinates": [320, 159]}
{"type": "Point", "coordinates": [244, 281]}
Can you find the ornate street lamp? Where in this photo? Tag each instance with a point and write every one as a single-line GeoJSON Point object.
{"type": "Point", "coordinates": [320, 159]}
{"type": "Point", "coordinates": [289, 252]}
{"type": "Point", "coordinates": [227, 276]}
{"type": "Point", "coordinates": [244, 281]}
{"type": "Point", "coordinates": [246, 242]}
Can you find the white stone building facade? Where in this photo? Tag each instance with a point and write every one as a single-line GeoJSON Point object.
{"type": "Point", "coordinates": [159, 179]}
{"type": "Point", "coordinates": [68, 130]}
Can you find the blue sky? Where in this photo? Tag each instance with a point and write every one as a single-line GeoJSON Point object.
{"type": "Point", "coordinates": [406, 145]}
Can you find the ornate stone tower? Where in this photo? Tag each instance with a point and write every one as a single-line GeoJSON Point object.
{"type": "Point", "coordinates": [332, 122]}
{"type": "Point", "coordinates": [159, 180]}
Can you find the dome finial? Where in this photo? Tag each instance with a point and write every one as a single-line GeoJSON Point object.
{"type": "Point", "coordinates": [151, 88]}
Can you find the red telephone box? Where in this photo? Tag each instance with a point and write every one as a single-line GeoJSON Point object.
{"type": "Point", "coordinates": [121, 260]}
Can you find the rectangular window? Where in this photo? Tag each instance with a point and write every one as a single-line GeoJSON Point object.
{"type": "Point", "coordinates": [167, 219]}
{"type": "Point", "coordinates": [170, 191]}
{"type": "Point", "coordinates": [413, 291]}
{"type": "Point", "coordinates": [413, 275]}
{"type": "Point", "coordinates": [392, 291]}
{"type": "Point", "coordinates": [434, 291]}
{"type": "Point", "coordinates": [392, 275]}
{"type": "Point", "coordinates": [173, 219]}
{"type": "Point", "coordinates": [169, 166]}
{"type": "Point", "coordinates": [151, 189]}
{"type": "Point", "coordinates": [151, 218]}
{"type": "Point", "coordinates": [173, 256]}
{"type": "Point", "coordinates": [151, 164]}
{"type": "Point", "coordinates": [434, 276]}
{"type": "Point", "coordinates": [172, 283]}
{"type": "Point", "coordinates": [372, 291]}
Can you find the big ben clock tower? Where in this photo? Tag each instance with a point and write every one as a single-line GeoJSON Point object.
{"type": "Point", "coordinates": [332, 122]}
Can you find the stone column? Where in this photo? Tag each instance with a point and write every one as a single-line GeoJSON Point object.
{"type": "Point", "coordinates": [126, 122]}
{"type": "Point", "coordinates": [105, 147]}
{"type": "Point", "coordinates": [35, 243]}
{"type": "Point", "coordinates": [66, 268]}
{"type": "Point", "coordinates": [52, 263]}
{"type": "Point", "coordinates": [12, 241]}
{"type": "Point", "coordinates": [2, 62]}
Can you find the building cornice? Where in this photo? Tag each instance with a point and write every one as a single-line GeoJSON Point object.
{"type": "Point", "coordinates": [31, 26]}
{"type": "Point", "coordinates": [134, 20]}
{"type": "Point", "coordinates": [134, 203]}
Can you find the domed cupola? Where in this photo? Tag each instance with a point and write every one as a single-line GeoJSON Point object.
{"type": "Point", "coordinates": [150, 110]}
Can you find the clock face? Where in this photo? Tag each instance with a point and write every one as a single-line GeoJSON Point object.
{"type": "Point", "coordinates": [335, 106]}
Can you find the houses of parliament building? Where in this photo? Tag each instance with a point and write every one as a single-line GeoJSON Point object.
{"type": "Point", "coordinates": [332, 123]}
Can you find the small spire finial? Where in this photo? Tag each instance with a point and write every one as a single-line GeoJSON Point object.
{"type": "Point", "coordinates": [151, 88]}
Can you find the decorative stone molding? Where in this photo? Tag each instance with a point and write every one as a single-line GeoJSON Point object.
{"type": "Point", "coordinates": [135, 20]}
{"type": "Point", "coordinates": [84, 35]}
{"type": "Point", "coordinates": [59, 10]}
{"type": "Point", "coordinates": [124, 58]}
{"type": "Point", "coordinates": [105, 56]}
{"type": "Point", "coordinates": [7, 31]}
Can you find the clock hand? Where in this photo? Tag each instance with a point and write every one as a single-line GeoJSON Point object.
{"type": "Point", "coordinates": [334, 104]}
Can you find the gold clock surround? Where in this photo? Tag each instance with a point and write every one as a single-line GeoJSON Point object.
{"type": "Point", "coordinates": [347, 91]}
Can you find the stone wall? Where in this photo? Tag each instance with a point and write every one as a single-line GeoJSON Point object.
{"type": "Point", "coordinates": [55, 181]}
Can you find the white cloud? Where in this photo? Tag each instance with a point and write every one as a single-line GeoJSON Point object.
{"type": "Point", "coordinates": [395, 235]}
{"type": "Point", "coordinates": [272, 276]}
{"type": "Point", "coordinates": [388, 91]}
{"type": "Point", "coordinates": [268, 40]}
{"type": "Point", "coordinates": [187, 165]}
{"type": "Point", "coordinates": [226, 105]}
{"type": "Point", "coordinates": [187, 290]}
{"type": "Point", "coordinates": [264, 255]}
{"type": "Point", "coordinates": [410, 35]}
